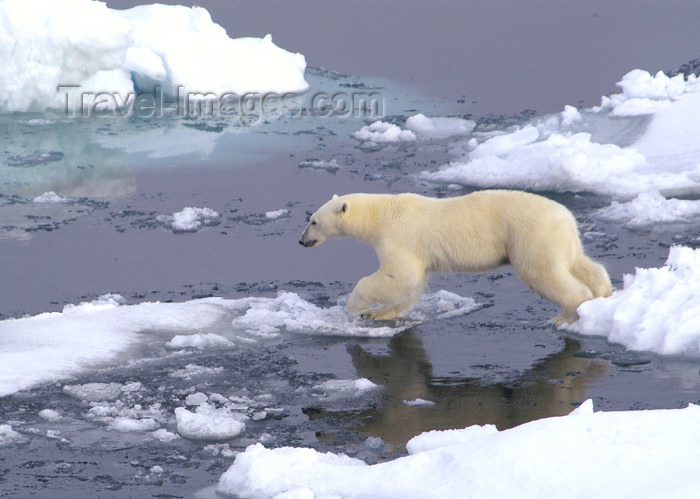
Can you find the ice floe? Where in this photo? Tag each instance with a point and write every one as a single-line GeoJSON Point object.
{"type": "Point", "coordinates": [382, 132]}
{"type": "Point", "coordinates": [641, 141]}
{"type": "Point", "coordinates": [624, 454]}
{"type": "Point", "coordinates": [54, 52]}
{"type": "Point", "coordinates": [58, 345]}
{"type": "Point", "coordinates": [657, 309]}
{"type": "Point", "coordinates": [190, 219]}
{"type": "Point", "coordinates": [438, 127]}
{"type": "Point", "coordinates": [335, 389]}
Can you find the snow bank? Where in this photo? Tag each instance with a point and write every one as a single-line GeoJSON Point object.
{"type": "Point", "coordinates": [623, 454]}
{"type": "Point", "coordinates": [559, 153]}
{"type": "Point", "coordinates": [657, 310]}
{"type": "Point", "coordinates": [45, 45]}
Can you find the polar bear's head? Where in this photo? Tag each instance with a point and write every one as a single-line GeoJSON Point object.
{"type": "Point", "coordinates": [326, 222]}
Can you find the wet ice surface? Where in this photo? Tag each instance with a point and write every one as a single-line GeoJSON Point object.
{"type": "Point", "coordinates": [282, 364]}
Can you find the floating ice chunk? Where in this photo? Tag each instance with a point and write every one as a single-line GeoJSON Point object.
{"type": "Point", "coordinates": [344, 388]}
{"type": "Point", "coordinates": [274, 215]}
{"type": "Point", "coordinates": [164, 435]}
{"type": "Point", "coordinates": [569, 116]}
{"type": "Point", "coordinates": [192, 370]}
{"type": "Point", "coordinates": [471, 462]}
{"type": "Point", "coordinates": [201, 341]}
{"type": "Point", "coordinates": [651, 208]}
{"type": "Point", "coordinates": [9, 436]}
{"type": "Point", "coordinates": [321, 164]}
{"type": "Point", "coordinates": [288, 311]}
{"type": "Point", "coordinates": [50, 197]}
{"type": "Point", "coordinates": [380, 132]}
{"type": "Point", "coordinates": [190, 219]}
{"type": "Point", "coordinates": [126, 424]}
{"type": "Point", "coordinates": [439, 128]}
{"type": "Point", "coordinates": [94, 392]}
{"type": "Point", "coordinates": [657, 310]}
{"type": "Point", "coordinates": [50, 415]}
{"type": "Point", "coordinates": [207, 423]}
{"type": "Point", "coordinates": [419, 402]}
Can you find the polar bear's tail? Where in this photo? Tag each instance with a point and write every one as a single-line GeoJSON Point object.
{"type": "Point", "coordinates": [593, 275]}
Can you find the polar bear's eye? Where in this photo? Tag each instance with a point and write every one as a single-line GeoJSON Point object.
{"type": "Point", "coordinates": [313, 222]}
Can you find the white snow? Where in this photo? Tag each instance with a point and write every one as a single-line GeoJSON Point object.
{"type": "Point", "coordinates": [617, 454]}
{"type": "Point", "coordinates": [657, 151]}
{"type": "Point", "coordinates": [381, 132]}
{"type": "Point", "coordinates": [45, 45]}
{"type": "Point", "coordinates": [208, 423]}
{"type": "Point", "coordinates": [190, 219]}
{"type": "Point", "coordinates": [657, 310]}
{"type": "Point", "coordinates": [164, 435]}
{"type": "Point", "coordinates": [439, 127]}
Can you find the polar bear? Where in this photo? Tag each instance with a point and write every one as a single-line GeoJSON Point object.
{"type": "Point", "coordinates": [414, 235]}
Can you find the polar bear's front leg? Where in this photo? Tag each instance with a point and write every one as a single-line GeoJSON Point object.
{"type": "Point", "coordinates": [387, 293]}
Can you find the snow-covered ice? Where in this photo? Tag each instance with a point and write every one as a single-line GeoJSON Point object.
{"type": "Point", "coordinates": [657, 309]}
{"type": "Point", "coordinates": [650, 208]}
{"type": "Point", "coordinates": [57, 345]}
{"type": "Point", "coordinates": [618, 454]}
{"type": "Point", "coordinates": [572, 152]}
{"type": "Point", "coordinates": [53, 51]}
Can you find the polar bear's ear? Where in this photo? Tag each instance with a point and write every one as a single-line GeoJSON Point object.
{"type": "Point", "coordinates": [334, 196]}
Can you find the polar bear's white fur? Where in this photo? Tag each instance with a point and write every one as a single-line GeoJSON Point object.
{"type": "Point", "coordinates": [414, 235]}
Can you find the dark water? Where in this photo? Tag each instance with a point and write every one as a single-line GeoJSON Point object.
{"type": "Point", "coordinates": [502, 364]}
